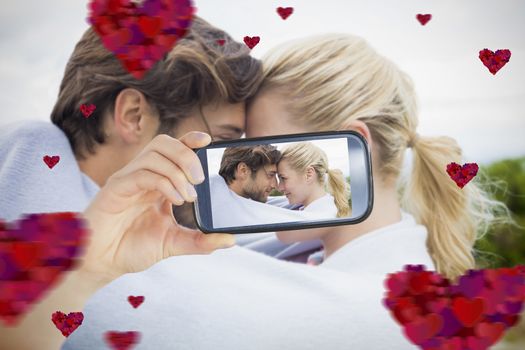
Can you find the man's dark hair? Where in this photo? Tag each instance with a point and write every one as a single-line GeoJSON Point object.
{"type": "Point", "coordinates": [196, 72]}
{"type": "Point", "coordinates": [255, 157]}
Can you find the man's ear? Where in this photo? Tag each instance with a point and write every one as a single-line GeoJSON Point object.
{"type": "Point", "coordinates": [360, 127]}
{"type": "Point", "coordinates": [242, 171]}
{"type": "Point", "coordinates": [132, 115]}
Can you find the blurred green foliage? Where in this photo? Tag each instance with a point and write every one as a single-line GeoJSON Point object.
{"type": "Point", "coordinates": [504, 245]}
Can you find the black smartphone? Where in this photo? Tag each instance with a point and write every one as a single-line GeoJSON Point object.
{"type": "Point", "coordinates": [284, 182]}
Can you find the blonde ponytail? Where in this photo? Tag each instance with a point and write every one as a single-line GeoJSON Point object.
{"type": "Point", "coordinates": [454, 217]}
{"type": "Point", "coordinates": [345, 79]}
{"type": "Point", "coordinates": [339, 189]}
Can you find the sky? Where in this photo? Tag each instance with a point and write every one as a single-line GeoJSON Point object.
{"type": "Point", "coordinates": [457, 95]}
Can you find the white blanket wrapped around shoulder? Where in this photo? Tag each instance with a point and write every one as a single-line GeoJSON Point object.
{"type": "Point", "coordinates": [229, 209]}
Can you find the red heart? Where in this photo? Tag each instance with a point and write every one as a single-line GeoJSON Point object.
{"type": "Point", "coordinates": [221, 42]}
{"type": "Point", "coordinates": [27, 254]}
{"type": "Point", "coordinates": [285, 12]}
{"type": "Point", "coordinates": [494, 61]}
{"type": "Point", "coordinates": [467, 311]}
{"type": "Point", "coordinates": [423, 19]}
{"type": "Point", "coordinates": [439, 315]}
{"type": "Point", "coordinates": [462, 174]}
{"type": "Point", "coordinates": [423, 328]}
{"type": "Point", "coordinates": [251, 41]}
{"type": "Point", "coordinates": [87, 110]}
{"type": "Point", "coordinates": [51, 161]}
{"type": "Point", "coordinates": [135, 301]}
{"type": "Point", "coordinates": [493, 331]}
{"type": "Point", "coordinates": [121, 340]}
{"type": "Point", "coordinates": [124, 26]}
{"type": "Point", "coordinates": [67, 324]}
{"type": "Point", "coordinates": [35, 251]}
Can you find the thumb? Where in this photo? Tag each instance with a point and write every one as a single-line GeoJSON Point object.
{"type": "Point", "coordinates": [187, 241]}
{"type": "Point", "coordinates": [195, 139]}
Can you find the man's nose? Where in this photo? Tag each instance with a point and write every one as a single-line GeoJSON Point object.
{"type": "Point", "coordinates": [274, 182]}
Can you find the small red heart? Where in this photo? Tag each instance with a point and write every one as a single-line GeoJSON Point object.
{"type": "Point", "coordinates": [221, 42]}
{"type": "Point", "coordinates": [121, 340]}
{"type": "Point", "coordinates": [468, 312]}
{"type": "Point", "coordinates": [494, 61]}
{"type": "Point", "coordinates": [423, 19]}
{"type": "Point", "coordinates": [27, 254]}
{"type": "Point", "coordinates": [51, 161]}
{"type": "Point", "coordinates": [285, 12]}
{"type": "Point", "coordinates": [67, 324]}
{"type": "Point", "coordinates": [251, 42]}
{"type": "Point", "coordinates": [462, 174]}
{"type": "Point", "coordinates": [87, 110]}
{"type": "Point", "coordinates": [135, 301]}
{"type": "Point", "coordinates": [493, 331]}
{"type": "Point", "coordinates": [423, 328]}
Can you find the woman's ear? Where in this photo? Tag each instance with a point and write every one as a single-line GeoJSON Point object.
{"type": "Point", "coordinates": [133, 117]}
{"type": "Point", "coordinates": [360, 127]}
{"type": "Point", "coordinates": [310, 174]}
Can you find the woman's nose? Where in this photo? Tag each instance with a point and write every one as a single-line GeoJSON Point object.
{"type": "Point", "coordinates": [280, 187]}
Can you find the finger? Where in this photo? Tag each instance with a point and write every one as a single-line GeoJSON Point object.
{"type": "Point", "coordinates": [195, 139]}
{"type": "Point", "coordinates": [119, 189]}
{"type": "Point", "coordinates": [161, 165]}
{"type": "Point", "coordinates": [180, 153]}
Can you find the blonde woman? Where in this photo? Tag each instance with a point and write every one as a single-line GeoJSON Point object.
{"type": "Point", "coordinates": [238, 298]}
{"type": "Point", "coordinates": [302, 170]}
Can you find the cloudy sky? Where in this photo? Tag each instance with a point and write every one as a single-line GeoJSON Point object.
{"type": "Point", "coordinates": [458, 96]}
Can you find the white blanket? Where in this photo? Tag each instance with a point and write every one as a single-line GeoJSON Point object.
{"type": "Point", "coordinates": [229, 209]}
{"type": "Point", "coordinates": [240, 299]}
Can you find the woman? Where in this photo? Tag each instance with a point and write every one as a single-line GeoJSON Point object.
{"type": "Point", "coordinates": [302, 170]}
{"type": "Point", "coordinates": [347, 85]}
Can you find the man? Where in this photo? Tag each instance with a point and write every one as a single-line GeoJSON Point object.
{"type": "Point", "coordinates": [199, 86]}
{"type": "Point", "coordinates": [239, 194]}
{"type": "Point", "coordinates": [250, 171]}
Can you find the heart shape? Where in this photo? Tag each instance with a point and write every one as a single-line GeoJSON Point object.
{"type": "Point", "coordinates": [51, 161]}
{"type": "Point", "coordinates": [285, 12]}
{"type": "Point", "coordinates": [122, 340]}
{"type": "Point", "coordinates": [494, 61]}
{"type": "Point", "coordinates": [87, 110]}
{"type": "Point", "coordinates": [467, 311]}
{"type": "Point", "coordinates": [462, 174]}
{"type": "Point", "coordinates": [140, 33]}
{"type": "Point", "coordinates": [423, 19]}
{"type": "Point", "coordinates": [251, 42]}
{"type": "Point", "coordinates": [221, 42]}
{"type": "Point", "coordinates": [135, 301]}
{"type": "Point", "coordinates": [35, 251]}
{"type": "Point", "coordinates": [67, 324]}
{"type": "Point", "coordinates": [440, 315]}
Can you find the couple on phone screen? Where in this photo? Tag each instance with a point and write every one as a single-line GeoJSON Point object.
{"type": "Point", "coordinates": [308, 188]}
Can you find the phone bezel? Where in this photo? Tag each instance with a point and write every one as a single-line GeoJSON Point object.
{"type": "Point", "coordinates": [202, 203]}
